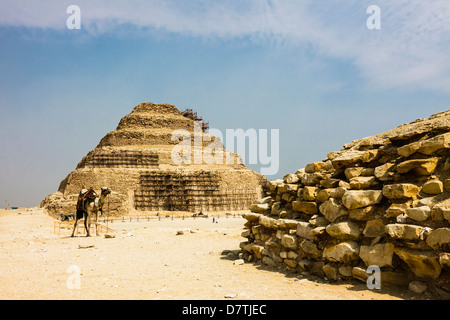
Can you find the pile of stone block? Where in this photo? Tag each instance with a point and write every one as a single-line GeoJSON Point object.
{"type": "Point", "coordinates": [381, 201]}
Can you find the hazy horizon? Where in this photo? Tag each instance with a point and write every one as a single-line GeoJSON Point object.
{"type": "Point", "coordinates": [315, 72]}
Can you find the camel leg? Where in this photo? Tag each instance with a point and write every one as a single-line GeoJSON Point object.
{"type": "Point", "coordinates": [87, 224]}
{"type": "Point", "coordinates": [74, 227]}
{"type": "Point", "coordinates": [96, 223]}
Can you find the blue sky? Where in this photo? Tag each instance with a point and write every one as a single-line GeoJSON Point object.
{"type": "Point", "coordinates": [311, 69]}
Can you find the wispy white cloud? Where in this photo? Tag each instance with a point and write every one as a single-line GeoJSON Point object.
{"type": "Point", "coordinates": [410, 51]}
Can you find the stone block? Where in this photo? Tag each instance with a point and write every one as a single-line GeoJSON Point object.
{"type": "Point", "coordinates": [400, 191]}
{"type": "Point", "coordinates": [344, 230]}
{"type": "Point", "coordinates": [362, 214]}
{"type": "Point", "coordinates": [310, 249]}
{"type": "Point", "coordinates": [289, 241]}
{"type": "Point", "coordinates": [374, 228]}
{"type": "Point", "coordinates": [447, 184]}
{"type": "Point", "coordinates": [309, 193]}
{"type": "Point", "coordinates": [251, 217]}
{"type": "Point", "coordinates": [342, 252]}
{"type": "Point", "coordinates": [439, 237]}
{"type": "Point", "coordinates": [304, 230]}
{"type": "Point", "coordinates": [384, 172]}
{"type": "Point", "coordinates": [290, 178]}
{"type": "Point", "coordinates": [424, 264]}
{"type": "Point", "coordinates": [396, 209]}
{"type": "Point", "coordinates": [403, 231]}
{"type": "Point", "coordinates": [423, 167]}
{"type": "Point", "coordinates": [433, 187]}
{"type": "Point", "coordinates": [353, 172]}
{"type": "Point", "coordinates": [332, 209]}
{"type": "Point", "coordinates": [260, 207]}
{"type": "Point", "coordinates": [348, 158]}
{"type": "Point", "coordinates": [434, 144]}
{"type": "Point", "coordinates": [354, 199]}
{"type": "Point", "coordinates": [307, 207]}
{"type": "Point", "coordinates": [359, 183]}
{"type": "Point", "coordinates": [314, 167]}
{"type": "Point", "coordinates": [409, 149]}
{"type": "Point", "coordinates": [268, 222]}
{"type": "Point", "coordinates": [379, 255]}
{"type": "Point", "coordinates": [419, 213]}
{"type": "Point", "coordinates": [331, 272]}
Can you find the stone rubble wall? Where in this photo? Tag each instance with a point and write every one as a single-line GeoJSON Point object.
{"type": "Point", "coordinates": [381, 201]}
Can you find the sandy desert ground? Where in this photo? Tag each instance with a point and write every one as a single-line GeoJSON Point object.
{"type": "Point", "coordinates": [148, 260]}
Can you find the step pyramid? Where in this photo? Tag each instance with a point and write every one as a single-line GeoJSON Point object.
{"type": "Point", "coordinates": [138, 162]}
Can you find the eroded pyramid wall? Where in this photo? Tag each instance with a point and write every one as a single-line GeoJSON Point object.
{"type": "Point", "coordinates": [135, 161]}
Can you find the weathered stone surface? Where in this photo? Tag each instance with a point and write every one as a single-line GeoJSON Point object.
{"type": "Point", "coordinates": [304, 230]}
{"type": "Point", "coordinates": [424, 264]}
{"type": "Point", "coordinates": [331, 272]}
{"type": "Point", "coordinates": [419, 213]}
{"type": "Point", "coordinates": [309, 193]}
{"type": "Point", "coordinates": [404, 231]}
{"type": "Point", "coordinates": [362, 214]}
{"type": "Point", "coordinates": [400, 191]}
{"type": "Point", "coordinates": [433, 187]}
{"type": "Point", "coordinates": [417, 287]}
{"type": "Point", "coordinates": [289, 241]}
{"type": "Point", "coordinates": [318, 221]}
{"type": "Point", "coordinates": [447, 184]}
{"type": "Point", "coordinates": [323, 195]}
{"type": "Point", "coordinates": [348, 158]}
{"type": "Point", "coordinates": [276, 206]}
{"type": "Point", "coordinates": [363, 182]}
{"type": "Point", "coordinates": [251, 217]}
{"type": "Point", "coordinates": [444, 259]}
{"type": "Point", "coordinates": [354, 199]}
{"type": "Point", "coordinates": [314, 167]}
{"type": "Point", "coordinates": [311, 249]}
{"type": "Point", "coordinates": [269, 262]}
{"type": "Point", "coordinates": [344, 230]}
{"type": "Point", "coordinates": [332, 209]}
{"type": "Point", "coordinates": [307, 207]}
{"type": "Point", "coordinates": [396, 209]}
{"type": "Point", "coordinates": [287, 224]}
{"type": "Point", "coordinates": [420, 166]}
{"type": "Point", "coordinates": [360, 274]}
{"type": "Point", "coordinates": [431, 145]}
{"type": "Point", "coordinates": [353, 172]}
{"type": "Point", "coordinates": [342, 252]}
{"type": "Point", "coordinates": [379, 255]}
{"type": "Point", "coordinates": [268, 222]}
{"type": "Point", "coordinates": [291, 178]}
{"type": "Point", "coordinates": [439, 237]}
{"type": "Point", "coordinates": [260, 207]}
{"type": "Point", "coordinates": [409, 149]}
{"type": "Point", "coordinates": [290, 263]}
{"type": "Point", "coordinates": [384, 172]}
{"type": "Point", "coordinates": [257, 250]}
{"type": "Point", "coordinates": [337, 193]}
{"type": "Point", "coordinates": [374, 228]}
{"type": "Point", "coordinates": [313, 179]}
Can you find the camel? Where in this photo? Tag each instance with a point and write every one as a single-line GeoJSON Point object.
{"type": "Point", "coordinates": [91, 206]}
